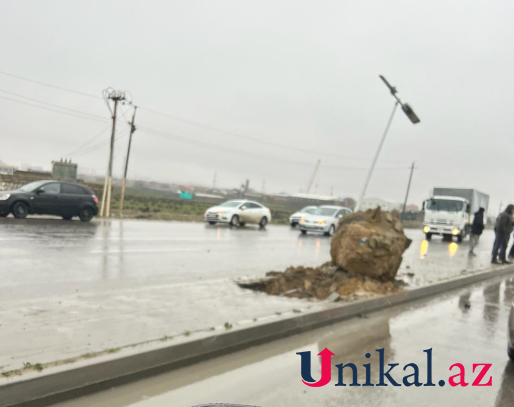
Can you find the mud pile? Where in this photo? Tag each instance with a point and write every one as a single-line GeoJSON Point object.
{"type": "Point", "coordinates": [370, 244]}
{"type": "Point", "coordinates": [325, 282]}
{"type": "Point", "coordinates": [366, 253]}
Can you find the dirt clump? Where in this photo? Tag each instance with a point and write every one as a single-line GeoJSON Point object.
{"type": "Point", "coordinates": [324, 282]}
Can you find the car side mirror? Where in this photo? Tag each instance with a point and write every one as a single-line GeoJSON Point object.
{"type": "Point", "coordinates": [242, 208]}
{"type": "Point", "coordinates": [40, 191]}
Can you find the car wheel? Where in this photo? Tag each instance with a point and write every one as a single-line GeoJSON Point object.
{"type": "Point", "coordinates": [304, 232]}
{"type": "Point", "coordinates": [234, 221]}
{"type": "Point", "coordinates": [510, 352]}
{"type": "Point", "coordinates": [263, 222]}
{"type": "Point", "coordinates": [331, 231]}
{"type": "Point", "coordinates": [293, 224]}
{"type": "Point", "coordinates": [428, 236]}
{"type": "Point", "coordinates": [20, 210]}
{"type": "Point", "coordinates": [3, 215]}
{"type": "Point", "coordinates": [86, 214]}
{"type": "Point", "coordinates": [212, 223]}
{"type": "Point", "coordinates": [67, 217]}
{"type": "Point", "coordinates": [242, 223]}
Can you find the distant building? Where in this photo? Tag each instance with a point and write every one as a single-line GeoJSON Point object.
{"type": "Point", "coordinates": [372, 203]}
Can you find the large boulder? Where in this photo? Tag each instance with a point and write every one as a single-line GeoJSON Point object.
{"type": "Point", "coordinates": [370, 243]}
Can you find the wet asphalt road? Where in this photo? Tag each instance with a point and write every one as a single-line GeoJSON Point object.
{"type": "Point", "coordinates": [42, 257]}
{"type": "Point", "coordinates": [467, 326]}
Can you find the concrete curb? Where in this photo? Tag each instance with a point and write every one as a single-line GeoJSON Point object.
{"type": "Point", "coordinates": [50, 388]}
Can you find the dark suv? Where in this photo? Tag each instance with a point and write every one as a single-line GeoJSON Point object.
{"type": "Point", "coordinates": [50, 198]}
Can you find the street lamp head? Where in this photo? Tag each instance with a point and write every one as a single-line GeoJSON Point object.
{"type": "Point", "coordinates": [410, 113]}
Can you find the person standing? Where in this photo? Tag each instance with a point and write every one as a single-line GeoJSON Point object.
{"type": "Point", "coordinates": [503, 229]}
{"type": "Point", "coordinates": [476, 230]}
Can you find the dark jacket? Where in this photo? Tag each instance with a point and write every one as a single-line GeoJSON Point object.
{"type": "Point", "coordinates": [504, 222]}
{"type": "Point", "coordinates": [478, 223]}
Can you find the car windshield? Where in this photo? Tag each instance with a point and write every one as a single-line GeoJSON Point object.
{"type": "Point", "coordinates": [231, 204]}
{"type": "Point", "coordinates": [309, 210]}
{"type": "Point", "coordinates": [444, 205]}
{"type": "Point", "coordinates": [32, 186]}
{"type": "Point", "coordinates": [325, 211]}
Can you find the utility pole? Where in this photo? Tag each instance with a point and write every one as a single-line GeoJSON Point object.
{"type": "Point", "coordinates": [311, 181]}
{"type": "Point", "coordinates": [116, 96]}
{"type": "Point", "coordinates": [132, 130]}
{"type": "Point", "coordinates": [412, 168]}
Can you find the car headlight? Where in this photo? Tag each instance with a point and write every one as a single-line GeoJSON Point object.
{"type": "Point", "coordinates": [426, 229]}
{"type": "Point", "coordinates": [303, 220]}
{"type": "Point", "coordinates": [221, 212]}
{"type": "Point", "coordinates": [322, 222]}
{"type": "Point", "coordinates": [455, 231]}
{"type": "Point", "coordinates": [4, 197]}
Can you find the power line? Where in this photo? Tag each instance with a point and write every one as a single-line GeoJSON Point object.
{"type": "Point", "coordinates": [208, 127]}
{"type": "Point", "coordinates": [82, 146]}
{"type": "Point", "coordinates": [50, 86]}
{"type": "Point", "coordinates": [231, 150]}
{"type": "Point", "coordinates": [256, 140]}
{"type": "Point", "coordinates": [52, 105]}
{"type": "Point", "coordinates": [53, 110]}
{"type": "Point", "coordinates": [95, 147]}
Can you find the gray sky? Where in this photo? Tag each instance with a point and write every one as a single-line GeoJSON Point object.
{"type": "Point", "coordinates": [296, 73]}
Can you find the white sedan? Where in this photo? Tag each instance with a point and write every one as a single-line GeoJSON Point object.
{"type": "Point", "coordinates": [295, 218]}
{"type": "Point", "coordinates": [239, 212]}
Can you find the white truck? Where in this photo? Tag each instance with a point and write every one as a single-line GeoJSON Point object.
{"type": "Point", "coordinates": [449, 212]}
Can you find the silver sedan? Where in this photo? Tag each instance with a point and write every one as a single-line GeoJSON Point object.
{"type": "Point", "coordinates": [324, 219]}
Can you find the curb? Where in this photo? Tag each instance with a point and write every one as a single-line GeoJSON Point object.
{"type": "Point", "coordinates": [47, 389]}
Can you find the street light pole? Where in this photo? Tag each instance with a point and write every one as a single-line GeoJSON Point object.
{"type": "Point", "coordinates": [412, 117]}
{"type": "Point", "coordinates": [375, 159]}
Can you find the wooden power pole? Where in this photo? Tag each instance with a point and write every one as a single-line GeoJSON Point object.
{"type": "Point", "coordinates": [115, 96]}
{"type": "Point", "coordinates": [132, 130]}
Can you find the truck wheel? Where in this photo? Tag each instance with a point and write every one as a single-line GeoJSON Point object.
{"type": "Point", "coordinates": [460, 237]}
{"type": "Point", "coordinates": [428, 236]}
{"type": "Point", "coordinates": [304, 232]}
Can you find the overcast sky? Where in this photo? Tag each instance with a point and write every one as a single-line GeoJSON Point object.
{"type": "Point", "coordinates": [276, 77]}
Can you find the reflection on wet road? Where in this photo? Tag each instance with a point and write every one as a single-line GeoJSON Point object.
{"type": "Point", "coordinates": [138, 252]}
{"type": "Point", "coordinates": [466, 327]}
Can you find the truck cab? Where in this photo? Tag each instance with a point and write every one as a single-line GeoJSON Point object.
{"type": "Point", "coordinates": [447, 216]}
